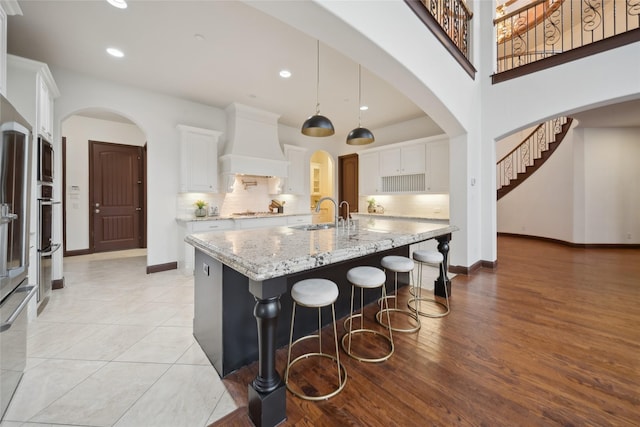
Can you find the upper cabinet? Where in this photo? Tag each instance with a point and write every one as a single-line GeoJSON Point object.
{"type": "Point", "coordinates": [438, 167]}
{"type": "Point", "coordinates": [368, 173]}
{"type": "Point", "coordinates": [405, 160]}
{"type": "Point", "coordinates": [198, 159]}
{"type": "Point", "coordinates": [32, 90]}
{"type": "Point", "coordinates": [414, 167]}
{"type": "Point", "coordinates": [3, 51]}
{"type": "Point", "coordinates": [296, 171]}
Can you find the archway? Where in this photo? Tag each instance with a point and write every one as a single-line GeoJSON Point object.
{"type": "Point", "coordinates": [321, 184]}
{"type": "Point", "coordinates": [84, 132]}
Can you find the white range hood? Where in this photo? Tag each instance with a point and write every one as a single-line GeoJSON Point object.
{"type": "Point", "coordinates": [252, 146]}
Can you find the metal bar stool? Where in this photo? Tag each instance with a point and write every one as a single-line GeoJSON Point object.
{"type": "Point", "coordinates": [370, 278]}
{"type": "Point", "coordinates": [432, 258]}
{"type": "Point", "coordinates": [315, 293]}
{"type": "Point", "coordinates": [398, 264]}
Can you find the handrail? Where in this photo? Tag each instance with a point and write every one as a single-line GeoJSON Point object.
{"type": "Point", "coordinates": [546, 27]}
{"type": "Point", "coordinates": [450, 23]}
{"type": "Point", "coordinates": [532, 148]}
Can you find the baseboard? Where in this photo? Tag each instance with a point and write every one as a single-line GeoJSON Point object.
{"type": "Point", "coordinates": [576, 245]}
{"type": "Point", "coordinates": [162, 267]}
{"type": "Point", "coordinates": [57, 283]}
{"type": "Point", "coordinates": [77, 252]}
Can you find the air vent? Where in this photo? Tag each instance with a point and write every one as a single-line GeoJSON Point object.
{"type": "Point", "coordinates": [403, 183]}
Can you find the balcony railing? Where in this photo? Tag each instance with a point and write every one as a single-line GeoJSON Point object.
{"type": "Point", "coordinates": [545, 28]}
{"type": "Point", "coordinates": [450, 22]}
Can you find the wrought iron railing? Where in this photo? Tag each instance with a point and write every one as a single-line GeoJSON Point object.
{"type": "Point", "coordinates": [450, 21]}
{"type": "Point", "coordinates": [526, 153]}
{"type": "Point", "coordinates": [547, 27]}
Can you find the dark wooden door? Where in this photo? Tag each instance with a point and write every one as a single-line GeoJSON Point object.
{"type": "Point", "coordinates": [116, 196]}
{"type": "Point", "coordinates": [348, 182]}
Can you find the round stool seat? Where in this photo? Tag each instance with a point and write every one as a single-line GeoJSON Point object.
{"type": "Point", "coordinates": [366, 277]}
{"type": "Point", "coordinates": [400, 264]}
{"type": "Point", "coordinates": [315, 292]}
{"type": "Point", "coordinates": [430, 257]}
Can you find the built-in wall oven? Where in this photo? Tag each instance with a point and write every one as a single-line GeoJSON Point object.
{"type": "Point", "coordinates": [46, 245]}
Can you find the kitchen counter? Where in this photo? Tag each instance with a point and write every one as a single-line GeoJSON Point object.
{"type": "Point", "coordinates": [397, 216]}
{"type": "Point", "coordinates": [243, 280]}
{"type": "Point", "coordinates": [272, 252]}
{"type": "Point", "coordinates": [192, 218]}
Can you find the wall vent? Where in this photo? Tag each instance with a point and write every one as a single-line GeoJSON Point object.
{"type": "Point", "coordinates": [404, 183]}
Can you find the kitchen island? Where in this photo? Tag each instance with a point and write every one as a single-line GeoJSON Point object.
{"type": "Point", "coordinates": [243, 277]}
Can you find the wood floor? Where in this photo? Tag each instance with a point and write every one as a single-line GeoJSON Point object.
{"type": "Point", "coordinates": [549, 338]}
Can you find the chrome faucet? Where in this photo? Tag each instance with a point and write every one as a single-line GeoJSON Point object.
{"type": "Point", "coordinates": [335, 204]}
{"type": "Point", "coordinates": [346, 219]}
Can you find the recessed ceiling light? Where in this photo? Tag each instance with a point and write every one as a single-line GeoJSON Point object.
{"type": "Point", "coordinates": [285, 74]}
{"type": "Point", "coordinates": [115, 52]}
{"type": "Point", "coordinates": [364, 108]}
{"type": "Point", "coordinates": [198, 37]}
{"type": "Point", "coordinates": [120, 4]}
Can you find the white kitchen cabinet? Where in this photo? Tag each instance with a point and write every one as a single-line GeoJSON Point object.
{"type": "Point", "coordinates": [3, 51]}
{"type": "Point", "coordinates": [438, 167]}
{"type": "Point", "coordinates": [299, 219]}
{"type": "Point", "coordinates": [368, 173]}
{"type": "Point", "coordinates": [295, 182]}
{"type": "Point", "coordinates": [198, 159]}
{"type": "Point", "coordinates": [45, 108]}
{"type": "Point", "coordinates": [272, 221]}
{"type": "Point", "coordinates": [405, 160]}
{"type": "Point", "coordinates": [191, 227]}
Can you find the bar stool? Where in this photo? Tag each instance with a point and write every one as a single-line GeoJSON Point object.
{"type": "Point", "coordinates": [370, 278]}
{"type": "Point", "coordinates": [315, 293]}
{"type": "Point", "coordinates": [398, 264]}
{"type": "Point", "coordinates": [432, 258]}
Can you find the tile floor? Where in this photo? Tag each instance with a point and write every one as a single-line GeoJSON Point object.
{"type": "Point", "coordinates": [115, 348]}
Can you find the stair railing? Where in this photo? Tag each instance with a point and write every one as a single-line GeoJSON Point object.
{"type": "Point", "coordinates": [530, 149]}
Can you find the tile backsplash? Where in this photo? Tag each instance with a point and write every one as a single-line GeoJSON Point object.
{"type": "Point", "coordinates": [250, 193]}
{"type": "Point", "coordinates": [423, 205]}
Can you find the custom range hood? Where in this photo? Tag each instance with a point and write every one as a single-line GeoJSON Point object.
{"type": "Point", "coordinates": [252, 146]}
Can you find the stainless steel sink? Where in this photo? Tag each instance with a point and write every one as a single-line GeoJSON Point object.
{"type": "Point", "coordinates": [311, 227]}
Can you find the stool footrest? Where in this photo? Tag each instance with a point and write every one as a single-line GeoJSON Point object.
{"type": "Point", "coordinates": [342, 378]}
{"type": "Point", "coordinates": [415, 309]}
{"type": "Point", "coordinates": [409, 313]}
{"type": "Point", "coordinates": [347, 350]}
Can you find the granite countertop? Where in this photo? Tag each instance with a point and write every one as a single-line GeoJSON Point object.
{"type": "Point", "coordinates": [265, 253]}
{"type": "Point", "coordinates": [239, 216]}
{"type": "Point", "coordinates": [398, 216]}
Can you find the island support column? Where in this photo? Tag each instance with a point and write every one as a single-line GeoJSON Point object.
{"type": "Point", "coordinates": [443, 279]}
{"type": "Point", "coordinates": [267, 392]}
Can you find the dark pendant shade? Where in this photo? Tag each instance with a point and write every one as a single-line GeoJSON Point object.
{"type": "Point", "coordinates": [317, 125]}
{"type": "Point", "coordinates": [360, 136]}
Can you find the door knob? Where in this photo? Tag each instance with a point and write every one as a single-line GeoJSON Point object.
{"type": "Point", "coordinates": [97, 211]}
{"type": "Point", "coordinates": [97, 205]}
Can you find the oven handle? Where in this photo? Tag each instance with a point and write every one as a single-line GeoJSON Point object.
{"type": "Point", "coordinates": [32, 291]}
{"type": "Point", "coordinates": [48, 202]}
{"type": "Point", "coordinates": [53, 249]}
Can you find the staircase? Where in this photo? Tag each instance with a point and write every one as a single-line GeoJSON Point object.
{"type": "Point", "coordinates": [530, 154]}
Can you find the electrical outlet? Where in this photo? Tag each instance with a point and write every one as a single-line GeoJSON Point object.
{"type": "Point", "coordinates": [205, 269]}
{"type": "Point", "coordinates": [628, 236]}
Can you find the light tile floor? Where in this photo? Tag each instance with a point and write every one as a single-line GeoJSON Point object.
{"type": "Point", "coordinates": [114, 347]}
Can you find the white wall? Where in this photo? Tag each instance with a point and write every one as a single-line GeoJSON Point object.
{"type": "Point", "coordinates": [79, 131]}
{"type": "Point", "coordinates": [585, 193]}
{"type": "Point", "coordinates": [157, 116]}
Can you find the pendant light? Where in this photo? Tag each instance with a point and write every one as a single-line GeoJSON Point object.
{"type": "Point", "coordinates": [360, 135]}
{"type": "Point", "coordinates": [317, 125]}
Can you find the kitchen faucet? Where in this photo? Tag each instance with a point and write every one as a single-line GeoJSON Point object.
{"type": "Point", "coordinates": [346, 219]}
{"type": "Point", "coordinates": [335, 204]}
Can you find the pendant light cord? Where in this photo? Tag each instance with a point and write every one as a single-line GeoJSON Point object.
{"type": "Point", "coordinates": [317, 77]}
{"type": "Point", "coordinates": [359, 94]}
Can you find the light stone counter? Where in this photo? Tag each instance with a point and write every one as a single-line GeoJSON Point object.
{"type": "Point", "coordinates": [262, 254]}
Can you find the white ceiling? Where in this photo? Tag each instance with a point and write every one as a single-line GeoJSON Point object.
{"type": "Point", "coordinates": [237, 60]}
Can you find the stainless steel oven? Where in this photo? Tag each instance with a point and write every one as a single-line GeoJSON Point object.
{"type": "Point", "coordinates": [45, 160]}
{"type": "Point", "coordinates": [46, 246]}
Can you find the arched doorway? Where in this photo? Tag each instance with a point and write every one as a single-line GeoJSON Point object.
{"type": "Point", "coordinates": [104, 183]}
{"type": "Point", "coordinates": [321, 184]}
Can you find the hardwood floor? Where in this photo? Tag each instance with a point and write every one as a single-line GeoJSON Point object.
{"type": "Point", "coordinates": [551, 337]}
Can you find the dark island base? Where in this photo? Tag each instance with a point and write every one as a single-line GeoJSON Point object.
{"type": "Point", "coordinates": [224, 323]}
